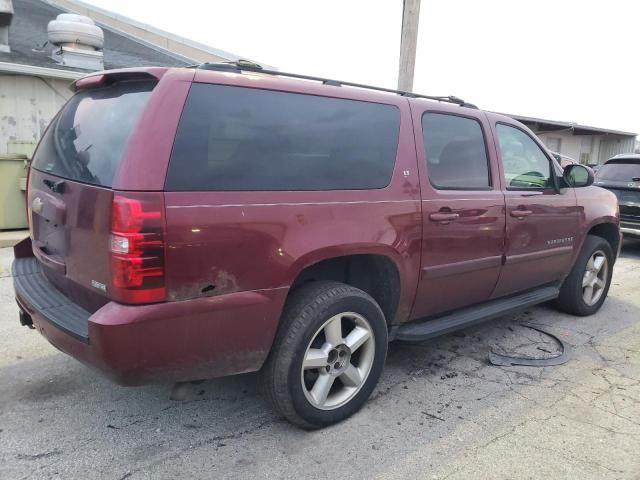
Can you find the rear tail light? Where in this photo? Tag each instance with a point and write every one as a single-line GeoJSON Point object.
{"type": "Point", "coordinates": [26, 196]}
{"type": "Point", "coordinates": [137, 248]}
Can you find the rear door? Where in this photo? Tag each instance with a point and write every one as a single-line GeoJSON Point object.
{"type": "Point", "coordinates": [542, 219]}
{"type": "Point", "coordinates": [462, 209]}
{"type": "Point", "coordinates": [70, 194]}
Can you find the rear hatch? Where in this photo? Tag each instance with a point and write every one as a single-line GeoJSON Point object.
{"type": "Point", "coordinates": [69, 191]}
{"type": "Point", "coordinates": [623, 179]}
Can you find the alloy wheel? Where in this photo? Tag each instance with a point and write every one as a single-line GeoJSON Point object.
{"type": "Point", "coordinates": [337, 361]}
{"type": "Point", "coordinates": [595, 277]}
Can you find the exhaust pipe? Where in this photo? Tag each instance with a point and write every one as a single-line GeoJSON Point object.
{"type": "Point", "coordinates": [26, 320]}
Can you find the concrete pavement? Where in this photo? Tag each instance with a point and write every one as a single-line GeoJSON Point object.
{"type": "Point", "coordinates": [440, 410]}
{"type": "Point", "coordinates": [8, 238]}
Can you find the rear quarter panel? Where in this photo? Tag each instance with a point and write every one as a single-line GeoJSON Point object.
{"type": "Point", "coordinates": [238, 241]}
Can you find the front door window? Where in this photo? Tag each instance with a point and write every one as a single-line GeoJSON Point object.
{"type": "Point", "coordinates": [525, 164]}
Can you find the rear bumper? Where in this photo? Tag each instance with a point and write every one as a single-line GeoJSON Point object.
{"type": "Point", "coordinates": [172, 341]}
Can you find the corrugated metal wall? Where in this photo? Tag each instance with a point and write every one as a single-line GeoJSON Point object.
{"type": "Point", "coordinates": [613, 146]}
{"type": "Point", "coordinates": [27, 105]}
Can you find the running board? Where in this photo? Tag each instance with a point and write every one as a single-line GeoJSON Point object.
{"type": "Point", "coordinates": [419, 330]}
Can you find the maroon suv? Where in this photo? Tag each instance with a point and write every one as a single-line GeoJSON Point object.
{"type": "Point", "coordinates": [199, 222]}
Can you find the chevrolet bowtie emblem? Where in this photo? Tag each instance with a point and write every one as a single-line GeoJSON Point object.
{"type": "Point", "coordinates": [36, 205]}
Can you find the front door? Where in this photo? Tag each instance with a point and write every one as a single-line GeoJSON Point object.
{"type": "Point", "coordinates": [542, 219]}
{"type": "Point", "coordinates": [462, 208]}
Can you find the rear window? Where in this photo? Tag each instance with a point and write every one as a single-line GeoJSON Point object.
{"type": "Point", "coordinates": [235, 138]}
{"type": "Point", "coordinates": [86, 140]}
{"type": "Point", "coordinates": [619, 172]}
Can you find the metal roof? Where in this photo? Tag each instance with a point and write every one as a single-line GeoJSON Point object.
{"type": "Point", "coordinates": [577, 129]}
{"type": "Point", "coordinates": [635, 157]}
{"type": "Point", "coordinates": [200, 52]}
{"type": "Point", "coordinates": [28, 34]}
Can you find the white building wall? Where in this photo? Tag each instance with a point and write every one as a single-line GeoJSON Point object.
{"type": "Point", "coordinates": [569, 144]}
{"type": "Point", "coordinates": [27, 105]}
{"type": "Point", "coordinates": [613, 146]}
{"type": "Point", "coordinates": [603, 147]}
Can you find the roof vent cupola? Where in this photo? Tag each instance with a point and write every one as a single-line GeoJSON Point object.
{"type": "Point", "coordinates": [79, 40]}
{"type": "Point", "coordinates": [6, 15]}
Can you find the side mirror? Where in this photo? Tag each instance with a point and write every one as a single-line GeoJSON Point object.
{"type": "Point", "coordinates": [576, 175]}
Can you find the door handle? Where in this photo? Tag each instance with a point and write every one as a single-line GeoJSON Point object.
{"type": "Point", "coordinates": [443, 217]}
{"type": "Point", "coordinates": [520, 214]}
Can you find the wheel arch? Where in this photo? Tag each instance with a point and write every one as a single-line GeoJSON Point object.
{"type": "Point", "coordinates": [377, 271]}
{"type": "Point", "coordinates": [609, 231]}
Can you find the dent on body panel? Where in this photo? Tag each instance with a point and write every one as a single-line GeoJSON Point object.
{"type": "Point", "coordinates": [223, 258]}
{"type": "Point", "coordinates": [252, 247]}
{"type": "Point", "coordinates": [218, 282]}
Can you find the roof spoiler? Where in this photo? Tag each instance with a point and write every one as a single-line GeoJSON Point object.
{"type": "Point", "coordinates": [109, 77]}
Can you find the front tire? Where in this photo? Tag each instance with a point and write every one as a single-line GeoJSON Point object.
{"type": "Point", "coordinates": [585, 289]}
{"type": "Point", "coordinates": [328, 354]}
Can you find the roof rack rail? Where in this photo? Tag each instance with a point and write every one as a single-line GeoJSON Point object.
{"type": "Point", "coordinates": [245, 65]}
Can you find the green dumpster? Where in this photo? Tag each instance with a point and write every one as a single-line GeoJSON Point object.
{"type": "Point", "coordinates": [13, 213]}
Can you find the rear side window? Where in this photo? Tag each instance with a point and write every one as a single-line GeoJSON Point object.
{"type": "Point", "coordinates": [456, 152]}
{"type": "Point", "coordinates": [86, 140]}
{"type": "Point", "coordinates": [235, 138]}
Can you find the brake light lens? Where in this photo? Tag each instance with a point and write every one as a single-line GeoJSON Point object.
{"type": "Point", "coordinates": [137, 248]}
{"type": "Point", "coordinates": [26, 196]}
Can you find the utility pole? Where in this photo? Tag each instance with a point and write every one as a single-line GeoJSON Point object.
{"type": "Point", "coordinates": [408, 43]}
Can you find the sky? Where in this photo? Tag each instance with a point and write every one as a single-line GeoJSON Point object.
{"type": "Point", "coordinates": [567, 60]}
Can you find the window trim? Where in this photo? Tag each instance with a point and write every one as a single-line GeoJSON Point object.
{"type": "Point", "coordinates": [490, 185]}
{"type": "Point", "coordinates": [552, 171]}
{"type": "Point", "coordinates": [397, 108]}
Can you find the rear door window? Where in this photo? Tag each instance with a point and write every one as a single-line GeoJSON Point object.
{"type": "Point", "coordinates": [236, 138]}
{"type": "Point", "coordinates": [456, 152]}
{"type": "Point", "coordinates": [86, 140]}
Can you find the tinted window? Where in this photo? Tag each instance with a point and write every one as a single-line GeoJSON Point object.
{"type": "Point", "coordinates": [619, 172]}
{"type": "Point", "coordinates": [234, 138]}
{"type": "Point", "coordinates": [455, 151]}
{"type": "Point", "coordinates": [525, 165]}
{"type": "Point", "coordinates": [86, 140]}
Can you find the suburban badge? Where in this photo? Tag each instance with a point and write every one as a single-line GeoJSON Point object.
{"type": "Point", "coordinates": [98, 285]}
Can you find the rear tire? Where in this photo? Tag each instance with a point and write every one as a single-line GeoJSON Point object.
{"type": "Point", "coordinates": [328, 354]}
{"type": "Point", "coordinates": [585, 289]}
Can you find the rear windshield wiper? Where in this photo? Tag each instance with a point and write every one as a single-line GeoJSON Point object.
{"type": "Point", "coordinates": [57, 187]}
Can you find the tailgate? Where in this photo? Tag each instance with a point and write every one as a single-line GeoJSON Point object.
{"type": "Point", "coordinates": [70, 231]}
{"type": "Point", "coordinates": [69, 190]}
